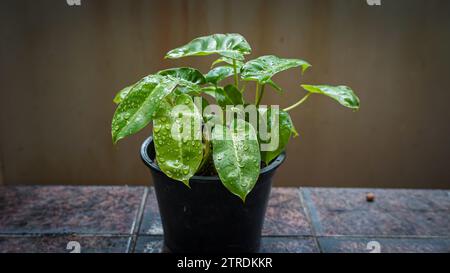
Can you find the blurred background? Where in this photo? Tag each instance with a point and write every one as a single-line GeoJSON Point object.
{"type": "Point", "coordinates": [61, 65]}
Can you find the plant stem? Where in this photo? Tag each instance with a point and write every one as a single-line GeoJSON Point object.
{"type": "Point", "coordinates": [243, 87]}
{"type": "Point", "coordinates": [206, 153]}
{"type": "Point", "coordinates": [298, 103]}
{"type": "Point", "coordinates": [261, 94]}
{"type": "Point", "coordinates": [257, 92]}
{"type": "Point", "coordinates": [236, 82]}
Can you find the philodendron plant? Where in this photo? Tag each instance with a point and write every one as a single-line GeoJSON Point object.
{"type": "Point", "coordinates": [192, 136]}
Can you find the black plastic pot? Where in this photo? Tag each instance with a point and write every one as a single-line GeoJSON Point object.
{"type": "Point", "coordinates": [207, 217]}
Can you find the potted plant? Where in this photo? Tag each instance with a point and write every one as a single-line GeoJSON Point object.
{"type": "Point", "coordinates": [224, 154]}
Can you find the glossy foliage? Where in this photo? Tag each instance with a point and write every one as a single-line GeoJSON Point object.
{"type": "Point", "coordinates": [264, 68]}
{"type": "Point", "coordinates": [283, 129]}
{"type": "Point", "coordinates": [182, 150]}
{"type": "Point", "coordinates": [178, 145]}
{"type": "Point", "coordinates": [218, 74]}
{"type": "Point", "coordinates": [232, 46]}
{"type": "Point", "coordinates": [236, 156]}
{"type": "Point", "coordinates": [120, 96]}
{"type": "Point", "coordinates": [229, 61]}
{"type": "Point", "coordinates": [229, 95]}
{"type": "Point", "coordinates": [188, 79]}
{"type": "Point", "coordinates": [191, 75]}
{"type": "Point", "coordinates": [137, 108]}
{"type": "Point", "coordinates": [342, 94]}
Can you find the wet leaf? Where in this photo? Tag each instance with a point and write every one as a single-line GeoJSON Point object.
{"type": "Point", "coordinates": [275, 86]}
{"type": "Point", "coordinates": [137, 108]}
{"type": "Point", "coordinates": [264, 68]}
{"type": "Point", "coordinates": [177, 136]}
{"type": "Point", "coordinates": [229, 61]}
{"type": "Point", "coordinates": [120, 96]}
{"type": "Point", "coordinates": [236, 156]}
{"type": "Point", "coordinates": [188, 79]}
{"type": "Point", "coordinates": [232, 46]}
{"type": "Point", "coordinates": [185, 73]}
{"type": "Point", "coordinates": [270, 147]}
{"type": "Point", "coordinates": [218, 74]}
{"type": "Point", "coordinates": [229, 95]}
{"type": "Point", "coordinates": [342, 94]}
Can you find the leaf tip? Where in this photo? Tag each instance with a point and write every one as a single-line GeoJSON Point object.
{"type": "Point", "coordinates": [243, 198]}
{"type": "Point", "coordinates": [186, 182]}
{"type": "Point", "coordinates": [115, 140]}
{"type": "Point", "coordinates": [305, 67]}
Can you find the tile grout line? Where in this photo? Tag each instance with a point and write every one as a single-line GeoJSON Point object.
{"type": "Point", "coordinates": [390, 237]}
{"type": "Point", "coordinates": [406, 237]}
{"type": "Point", "coordinates": [137, 222]}
{"type": "Point", "coordinates": [305, 195]}
{"type": "Point", "coordinates": [123, 235]}
{"type": "Point", "coordinates": [65, 234]}
{"type": "Point", "coordinates": [308, 215]}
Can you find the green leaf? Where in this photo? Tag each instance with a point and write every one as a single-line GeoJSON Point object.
{"type": "Point", "coordinates": [263, 68]}
{"type": "Point", "coordinates": [188, 79]}
{"type": "Point", "coordinates": [218, 74]}
{"type": "Point", "coordinates": [232, 46]}
{"type": "Point", "coordinates": [177, 136]}
{"type": "Point", "coordinates": [342, 94]}
{"type": "Point", "coordinates": [229, 61]}
{"type": "Point", "coordinates": [229, 95]}
{"type": "Point", "coordinates": [137, 108]}
{"type": "Point", "coordinates": [120, 96]}
{"type": "Point", "coordinates": [185, 73]}
{"type": "Point", "coordinates": [210, 91]}
{"type": "Point", "coordinates": [234, 95]}
{"type": "Point", "coordinates": [285, 130]}
{"type": "Point", "coordinates": [275, 86]}
{"type": "Point", "coordinates": [236, 156]}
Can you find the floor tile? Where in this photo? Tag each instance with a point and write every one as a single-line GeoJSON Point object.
{"type": "Point", "coordinates": [63, 244]}
{"type": "Point", "coordinates": [285, 214]}
{"type": "Point", "coordinates": [154, 244]}
{"type": "Point", "coordinates": [151, 221]}
{"type": "Point", "coordinates": [288, 245]}
{"type": "Point", "coordinates": [149, 244]}
{"type": "Point", "coordinates": [384, 245]}
{"type": "Point", "coordinates": [69, 209]}
{"type": "Point", "coordinates": [393, 213]}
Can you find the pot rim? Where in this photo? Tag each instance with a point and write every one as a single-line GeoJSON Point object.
{"type": "Point", "coordinates": [151, 163]}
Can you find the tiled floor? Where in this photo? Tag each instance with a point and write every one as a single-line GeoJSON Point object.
{"type": "Point", "coordinates": [306, 220]}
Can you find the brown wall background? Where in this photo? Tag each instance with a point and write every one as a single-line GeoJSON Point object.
{"type": "Point", "coordinates": [60, 67]}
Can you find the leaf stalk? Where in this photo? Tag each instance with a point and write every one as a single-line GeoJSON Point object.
{"type": "Point", "coordinates": [236, 81]}
{"type": "Point", "coordinates": [300, 102]}
{"type": "Point", "coordinates": [260, 95]}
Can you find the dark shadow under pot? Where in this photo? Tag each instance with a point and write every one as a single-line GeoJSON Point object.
{"type": "Point", "coordinates": [207, 217]}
